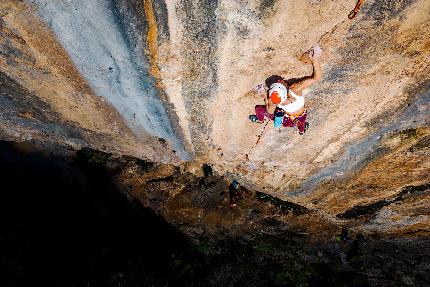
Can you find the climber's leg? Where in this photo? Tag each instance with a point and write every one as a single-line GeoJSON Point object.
{"type": "Point", "coordinates": [301, 122]}
{"type": "Point", "coordinates": [261, 112]}
{"type": "Point", "coordinates": [288, 122]}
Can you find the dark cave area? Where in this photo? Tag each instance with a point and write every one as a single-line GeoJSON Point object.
{"type": "Point", "coordinates": [64, 221]}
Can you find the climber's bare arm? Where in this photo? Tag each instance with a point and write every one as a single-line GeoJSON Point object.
{"type": "Point", "coordinates": [269, 106]}
{"type": "Point", "coordinates": [309, 81]}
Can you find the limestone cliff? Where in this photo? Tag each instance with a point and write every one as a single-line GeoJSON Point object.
{"type": "Point", "coordinates": [173, 81]}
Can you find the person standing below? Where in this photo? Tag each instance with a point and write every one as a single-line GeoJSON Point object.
{"type": "Point", "coordinates": [234, 193]}
{"type": "Point", "coordinates": [284, 103]}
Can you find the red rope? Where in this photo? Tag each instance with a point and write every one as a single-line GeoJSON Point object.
{"type": "Point", "coordinates": [258, 140]}
{"type": "Point", "coordinates": [261, 134]}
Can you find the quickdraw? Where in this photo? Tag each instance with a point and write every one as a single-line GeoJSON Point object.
{"type": "Point", "coordinates": [356, 9]}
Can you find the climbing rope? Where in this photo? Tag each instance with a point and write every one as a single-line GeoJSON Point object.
{"type": "Point", "coordinates": [258, 140]}
{"type": "Point", "coordinates": [356, 9]}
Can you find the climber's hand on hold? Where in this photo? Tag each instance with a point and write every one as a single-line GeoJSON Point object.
{"type": "Point", "coordinates": [311, 55]}
{"type": "Point", "coordinates": [315, 53]}
{"type": "Point", "coordinates": [317, 74]}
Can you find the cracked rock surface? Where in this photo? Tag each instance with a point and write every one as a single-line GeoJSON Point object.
{"type": "Point", "coordinates": [174, 82]}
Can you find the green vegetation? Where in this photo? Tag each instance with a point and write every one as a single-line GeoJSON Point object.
{"type": "Point", "coordinates": [284, 206]}
{"type": "Point", "coordinates": [89, 155]}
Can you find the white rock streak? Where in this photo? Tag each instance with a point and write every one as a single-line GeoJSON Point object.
{"type": "Point", "coordinates": [91, 34]}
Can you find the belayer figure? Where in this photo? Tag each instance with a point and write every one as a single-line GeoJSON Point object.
{"type": "Point", "coordinates": [284, 102]}
{"type": "Point", "coordinates": [234, 193]}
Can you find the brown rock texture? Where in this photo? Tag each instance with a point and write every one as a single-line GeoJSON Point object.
{"type": "Point", "coordinates": [137, 222]}
{"type": "Point", "coordinates": [173, 81]}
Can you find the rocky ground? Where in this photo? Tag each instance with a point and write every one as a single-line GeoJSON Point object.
{"type": "Point", "coordinates": [98, 218]}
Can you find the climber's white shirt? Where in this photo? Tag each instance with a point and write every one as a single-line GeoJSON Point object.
{"type": "Point", "coordinates": [294, 106]}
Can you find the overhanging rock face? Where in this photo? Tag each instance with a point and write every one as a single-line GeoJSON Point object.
{"type": "Point", "coordinates": [173, 80]}
{"type": "Point", "coordinates": [110, 56]}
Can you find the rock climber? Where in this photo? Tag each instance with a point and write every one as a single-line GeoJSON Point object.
{"type": "Point", "coordinates": [284, 102]}
{"type": "Point", "coordinates": [234, 193]}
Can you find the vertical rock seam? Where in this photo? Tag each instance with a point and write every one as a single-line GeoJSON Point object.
{"type": "Point", "coordinates": [152, 51]}
{"type": "Point", "coordinates": [151, 38]}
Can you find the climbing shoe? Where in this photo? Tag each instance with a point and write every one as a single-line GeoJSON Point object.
{"type": "Point", "coordinates": [306, 128]}
{"type": "Point", "coordinates": [253, 118]}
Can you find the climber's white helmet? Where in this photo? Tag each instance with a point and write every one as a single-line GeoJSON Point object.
{"type": "Point", "coordinates": [278, 93]}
